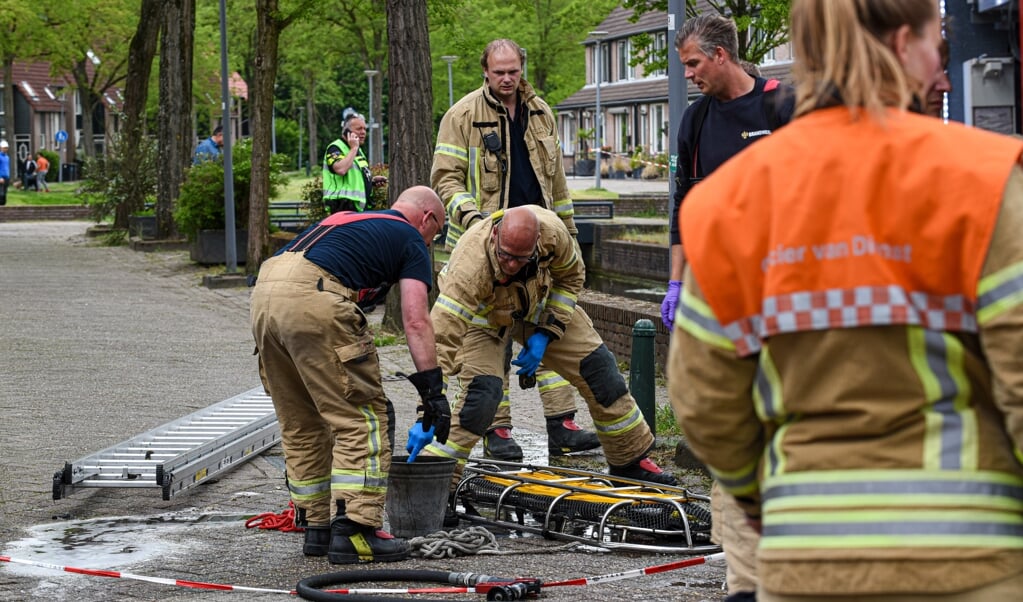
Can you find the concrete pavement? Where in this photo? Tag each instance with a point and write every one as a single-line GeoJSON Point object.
{"type": "Point", "coordinates": [103, 343]}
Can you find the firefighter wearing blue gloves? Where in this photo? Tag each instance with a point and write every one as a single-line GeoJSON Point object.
{"type": "Point", "coordinates": [516, 274]}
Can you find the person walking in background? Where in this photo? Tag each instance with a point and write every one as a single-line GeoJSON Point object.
{"type": "Point", "coordinates": [481, 164]}
{"type": "Point", "coordinates": [5, 171]}
{"type": "Point", "coordinates": [42, 168]}
{"type": "Point", "coordinates": [209, 149]}
{"type": "Point", "coordinates": [347, 179]}
{"type": "Point", "coordinates": [737, 109]}
{"type": "Point", "coordinates": [847, 357]}
{"type": "Point", "coordinates": [318, 362]}
{"type": "Point", "coordinates": [28, 175]}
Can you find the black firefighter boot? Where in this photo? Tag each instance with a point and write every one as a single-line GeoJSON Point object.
{"type": "Point", "coordinates": [644, 469]}
{"type": "Point", "coordinates": [564, 436]}
{"type": "Point", "coordinates": [499, 445]}
{"type": "Point", "coordinates": [317, 538]}
{"type": "Point", "coordinates": [353, 543]}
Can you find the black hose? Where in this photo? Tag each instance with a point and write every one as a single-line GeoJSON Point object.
{"type": "Point", "coordinates": [310, 587]}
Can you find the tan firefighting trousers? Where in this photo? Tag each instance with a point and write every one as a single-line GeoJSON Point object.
{"type": "Point", "coordinates": [580, 357]}
{"type": "Point", "coordinates": [556, 394]}
{"type": "Point", "coordinates": [319, 364]}
{"type": "Point", "coordinates": [738, 540]}
{"type": "Point", "coordinates": [1007, 590]}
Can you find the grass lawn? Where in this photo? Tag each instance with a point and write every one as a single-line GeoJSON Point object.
{"type": "Point", "coordinates": [60, 194]}
{"type": "Point", "coordinates": [292, 191]}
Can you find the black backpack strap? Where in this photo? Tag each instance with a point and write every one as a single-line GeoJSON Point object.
{"type": "Point", "coordinates": [702, 106]}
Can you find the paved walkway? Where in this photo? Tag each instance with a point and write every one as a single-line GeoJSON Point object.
{"type": "Point", "coordinates": [624, 186]}
{"type": "Point", "coordinates": [103, 343]}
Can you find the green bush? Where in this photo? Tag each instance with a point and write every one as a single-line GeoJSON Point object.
{"type": "Point", "coordinates": [104, 188]}
{"type": "Point", "coordinates": [200, 203]}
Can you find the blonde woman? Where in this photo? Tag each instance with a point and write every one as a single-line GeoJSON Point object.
{"type": "Point", "coordinates": [854, 296]}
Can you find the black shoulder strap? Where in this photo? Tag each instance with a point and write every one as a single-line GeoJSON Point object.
{"type": "Point", "coordinates": [774, 98]}
{"type": "Point", "coordinates": [702, 106]}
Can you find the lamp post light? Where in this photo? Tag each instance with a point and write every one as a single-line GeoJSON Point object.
{"type": "Point", "coordinates": [450, 58]}
{"type": "Point", "coordinates": [372, 121]}
{"type": "Point", "coordinates": [597, 76]}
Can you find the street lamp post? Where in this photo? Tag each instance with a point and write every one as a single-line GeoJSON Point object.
{"type": "Point", "coordinates": [450, 58]}
{"type": "Point", "coordinates": [372, 121]}
{"type": "Point", "coordinates": [597, 76]}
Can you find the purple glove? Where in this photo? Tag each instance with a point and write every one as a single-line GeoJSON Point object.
{"type": "Point", "coordinates": [670, 303]}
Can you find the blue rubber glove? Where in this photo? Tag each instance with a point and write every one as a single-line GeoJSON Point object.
{"type": "Point", "coordinates": [531, 354]}
{"type": "Point", "coordinates": [417, 440]}
{"type": "Point", "coordinates": [670, 303]}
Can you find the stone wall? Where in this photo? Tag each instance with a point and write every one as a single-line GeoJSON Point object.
{"type": "Point", "coordinates": [614, 317]}
{"type": "Point", "coordinates": [640, 204]}
{"type": "Point", "coordinates": [36, 213]}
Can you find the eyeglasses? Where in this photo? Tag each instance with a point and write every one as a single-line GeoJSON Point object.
{"type": "Point", "coordinates": [509, 257]}
{"type": "Point", "coordinates": [433, 217]}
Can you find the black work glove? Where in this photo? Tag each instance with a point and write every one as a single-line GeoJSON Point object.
{"type": "Point", "coordinates": [436, 409]}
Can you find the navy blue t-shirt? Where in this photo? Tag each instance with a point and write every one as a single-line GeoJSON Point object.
{"type": "Point", "coordinates": [372, 253]}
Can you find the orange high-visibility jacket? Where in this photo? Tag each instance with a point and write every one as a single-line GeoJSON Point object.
{"type": "Point", "coordinates": [855, 293]}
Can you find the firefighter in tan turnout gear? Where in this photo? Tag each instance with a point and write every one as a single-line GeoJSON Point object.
{"type": "Point", "coordinates": [497, 148]}
{"type": "Point", "coordinates": [516, 274]}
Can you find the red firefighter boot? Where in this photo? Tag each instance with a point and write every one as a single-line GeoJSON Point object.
{"type": "Point", "coordinates": [352, 543]}
{"type": "Point", "coordinates": [644, 469]}
{"type": "Point", "coordinates": [564, 436]}
{"type": "Point", "coordinates": [499, 445]}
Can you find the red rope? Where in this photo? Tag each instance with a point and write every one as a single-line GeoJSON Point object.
{"type": "Point", "coordinates": [285, 521]}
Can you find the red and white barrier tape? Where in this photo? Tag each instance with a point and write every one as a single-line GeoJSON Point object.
{"type": "Point", "coordinates": [650, 570]}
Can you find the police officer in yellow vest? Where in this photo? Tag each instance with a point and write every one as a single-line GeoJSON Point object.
{"type": "Point", "coordinates": [848, 350]}
{"type": "Point", "coordinates": [347, 180]}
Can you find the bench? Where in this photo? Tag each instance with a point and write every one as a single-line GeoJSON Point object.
{"type": "Point", "coordinates": [289, 215]}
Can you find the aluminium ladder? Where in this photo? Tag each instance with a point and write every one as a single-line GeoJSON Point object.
{"type": "Point", "coordinates": [181, 453]}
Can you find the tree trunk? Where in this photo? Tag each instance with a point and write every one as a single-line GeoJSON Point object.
{"type": "Point", "coordinates": [136, 92]}
{"type": "Point", "coordinates": [261, 98]}
{"type": "Point", "coordinates": [175, 131]}
{"type": "Point", "coordinates": [7, 121]}
{"type": "Point", "coordinates": [411, 94]}
{"type": "Point", "coordinates": [87, 101]}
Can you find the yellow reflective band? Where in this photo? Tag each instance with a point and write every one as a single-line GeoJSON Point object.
{"type": "Point", "coordinates": [697, 318]}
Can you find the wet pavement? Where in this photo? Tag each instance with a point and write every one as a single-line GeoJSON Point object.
{"type": "Point", "coordinates": [102, 343]}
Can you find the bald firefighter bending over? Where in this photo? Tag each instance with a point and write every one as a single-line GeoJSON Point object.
{"type": "Point", "coordinates": [516, 275]}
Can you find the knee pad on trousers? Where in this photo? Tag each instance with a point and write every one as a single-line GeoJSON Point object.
{"type": "Point", "coordinates": [600, 371]}
{"type": "Point", "coordinates": [482, 396]}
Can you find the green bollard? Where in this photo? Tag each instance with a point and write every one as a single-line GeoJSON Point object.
{"type": "Point", "coordinates": [641, 371]}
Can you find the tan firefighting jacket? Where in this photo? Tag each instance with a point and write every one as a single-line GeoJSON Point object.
{"type": "Point", "coordinates": [844, 323]}
{"type": "Point", "coordinates": [543, 293]}
{"type": "Point", "coordinates": [471, 179]}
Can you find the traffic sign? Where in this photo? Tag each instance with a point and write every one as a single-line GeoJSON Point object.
{"type": "Point", "coordinates": [61, 137]}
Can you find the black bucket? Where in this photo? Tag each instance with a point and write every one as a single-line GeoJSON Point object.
{"type": "Point", "coordinates": [417, 494]}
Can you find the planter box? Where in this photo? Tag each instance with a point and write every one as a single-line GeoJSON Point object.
{"type": "Point", "coordinates": [584, 167]}
{"type": "Point", "coordinates": [142, 226]}
{"type": "Point", "coordinates": [209, 247]}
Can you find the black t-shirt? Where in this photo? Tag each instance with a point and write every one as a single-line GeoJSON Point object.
{"type": "Point", "coordinates": [524, 188]}
{"type": "Point", "coordinates": [728, 128]}
{"type": "Point", "coordinates": [371, 253]}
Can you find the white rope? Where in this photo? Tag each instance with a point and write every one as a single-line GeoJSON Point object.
{"type": "Point", "coordinates": [469, 542]}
